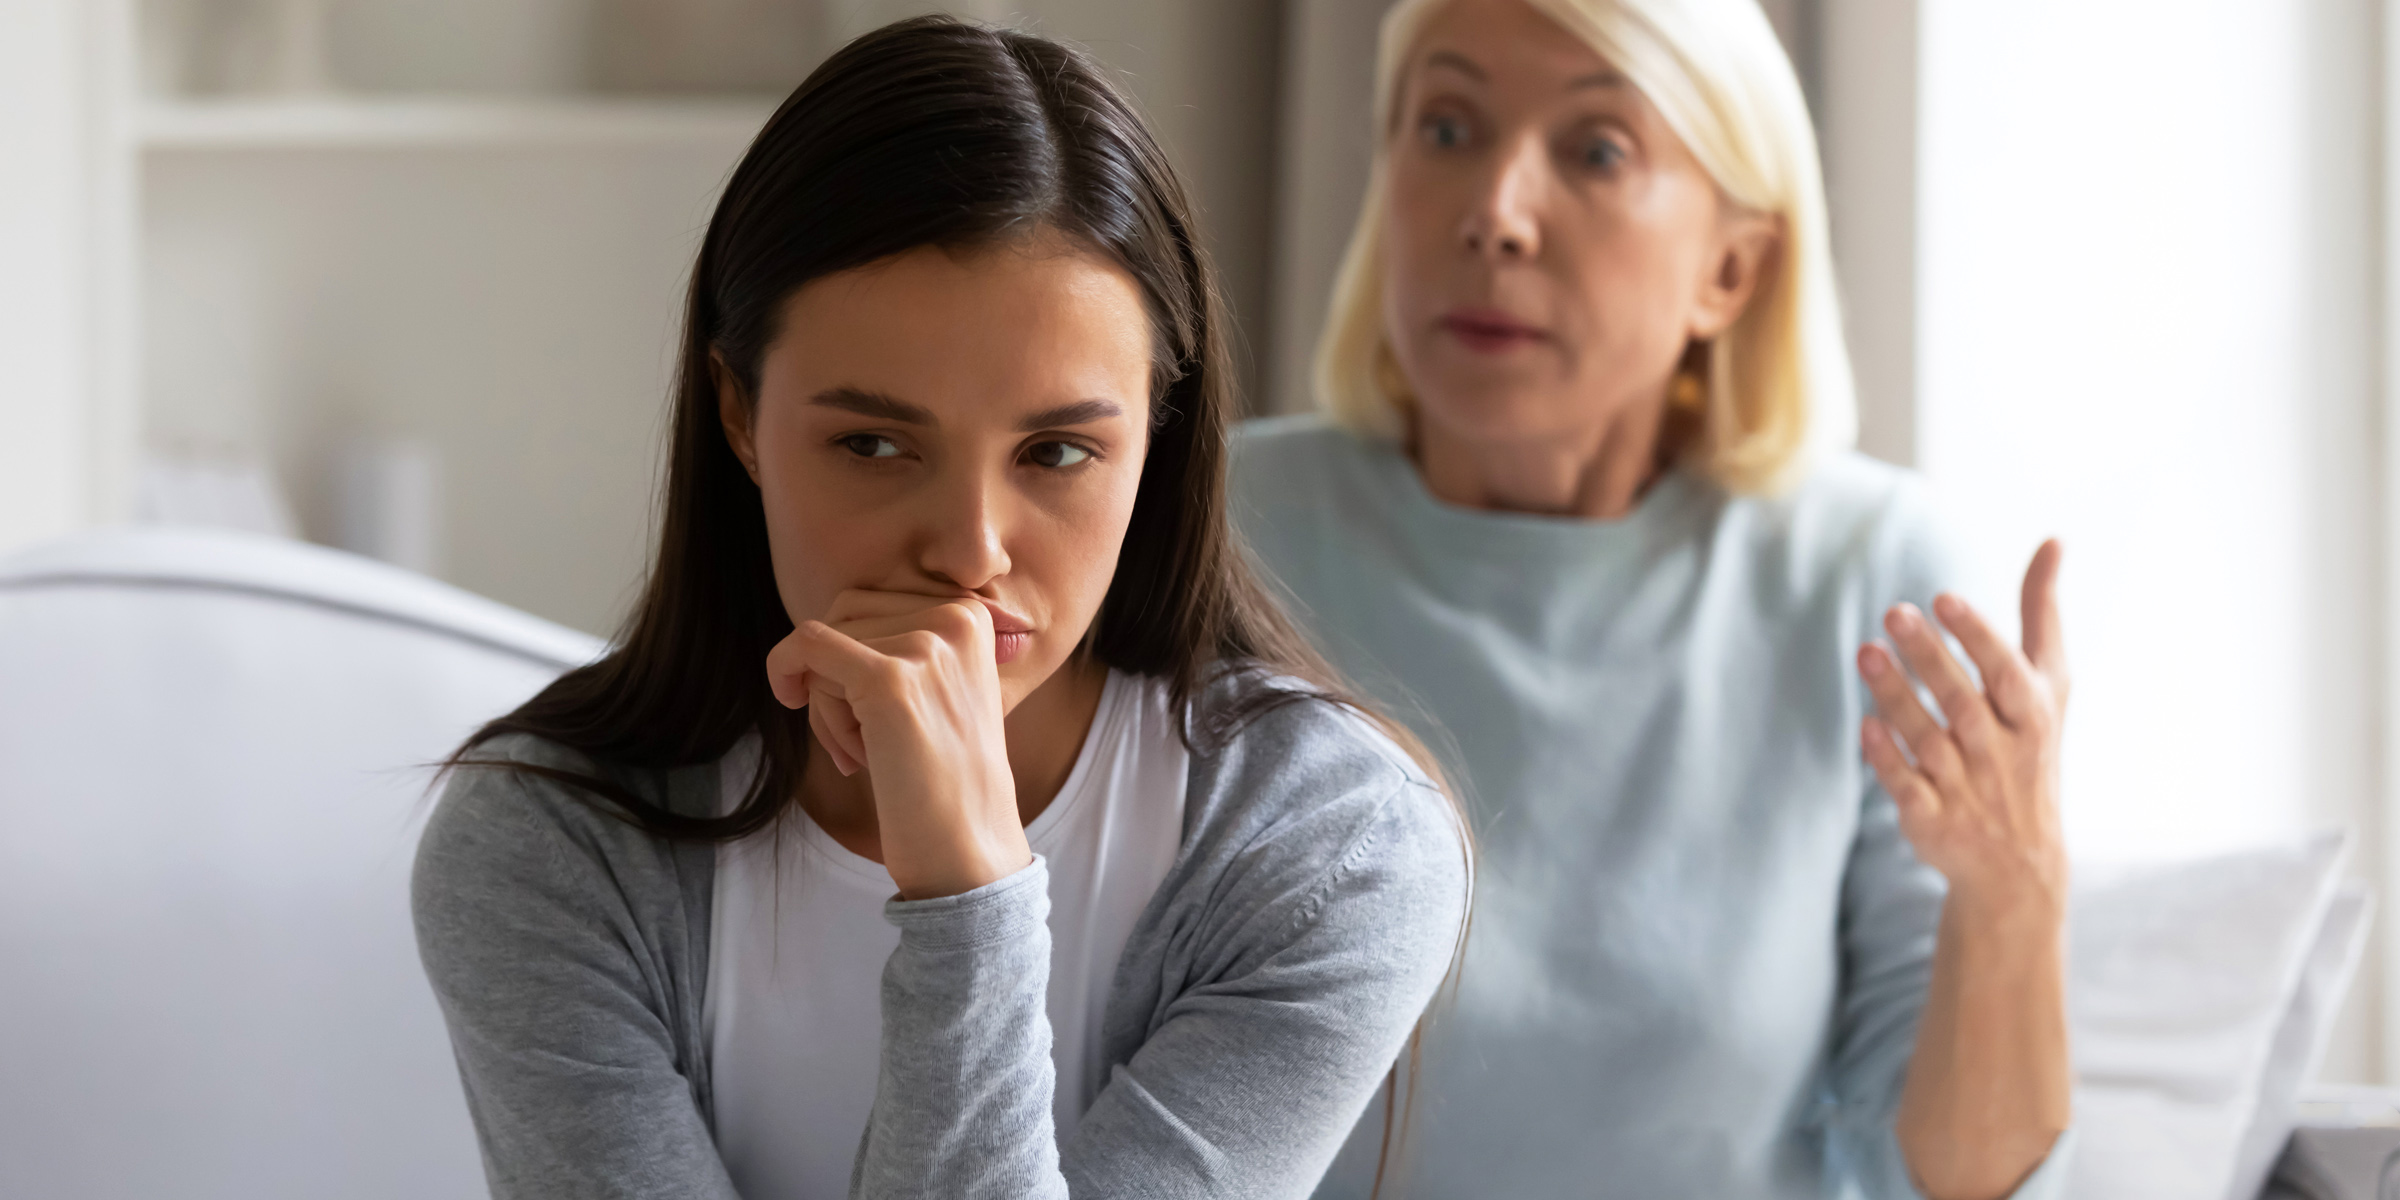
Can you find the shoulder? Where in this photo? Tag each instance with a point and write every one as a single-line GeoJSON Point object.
{"type": "Point", "coordinates": [1303, 492]}
{"type": "Point", "coordinates": [1285, 459]}
{"type": "Point", "coordinates": [1301, 796]}
{"type": "Point", "coordinates": [1855, 522]}
{"type": "Point", "coordinates": [511, 827]}
{"type": "Point", "coordinates": [1287, 438]}
{"type": "Point", "coordinates": [1848, 497]}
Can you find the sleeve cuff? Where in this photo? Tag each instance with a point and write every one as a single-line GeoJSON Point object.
{"type": "Point", "coordinates": [2049, 1180]}
{"type": "Point", "coordinates": [999, 911]}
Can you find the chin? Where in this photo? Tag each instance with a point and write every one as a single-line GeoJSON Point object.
{"type": "Point", "coordinates": [1023, 676]}
{"type": "Point", "coordinates": [1498, 411]}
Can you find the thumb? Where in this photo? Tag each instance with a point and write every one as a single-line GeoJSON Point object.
{"type": "Point", "coordinates": [2045, 637]}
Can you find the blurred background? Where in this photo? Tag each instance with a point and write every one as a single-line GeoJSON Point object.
{"type": "Point", "coordinates": [403, 277]}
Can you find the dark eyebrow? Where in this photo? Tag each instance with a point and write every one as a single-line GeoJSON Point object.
{"type": "Point", "coordinates": [1602, 79]}
{"type": "Point", "coordinates": [874, 404]}
{"type": "Point", "coordinates": [1079, 413]}
{"type": "Point", "coordinates": [1457, 62]}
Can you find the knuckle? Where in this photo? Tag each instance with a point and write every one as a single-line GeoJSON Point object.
{"type": "Point", "coordinates": [2042, 717]}
{"type": "Point", "coordinates": [1941, 758]}
{"type": "Point", "coordinates": [2015, 674]}
{"type": "Point", "coordinates": [1915, 794]}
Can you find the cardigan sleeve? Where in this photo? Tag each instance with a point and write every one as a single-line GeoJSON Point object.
{"type": "Point", "coordinates": [1314, 950]}
{"type": "Point", "coordinates": [534, 920]}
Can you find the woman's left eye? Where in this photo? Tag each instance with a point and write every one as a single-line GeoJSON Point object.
{"type": "Point", "coordinates": [1057, 454]}
{"type": "Point", "coordinates": [868, 445]}
{"type": "Point", "coordinates": [1599, 153]}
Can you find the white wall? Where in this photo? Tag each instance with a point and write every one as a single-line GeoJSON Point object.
{"type": "Point", "coordinates": [2145, 320]}
{"type": "Point", "coordinates": [1325, 148]}
{"type": "Point", "coordinates": [45, 270]}
{"type": "Point", "coordinates": [515, 306]}
{"type": "Point", "coordinates": [1865, 103]}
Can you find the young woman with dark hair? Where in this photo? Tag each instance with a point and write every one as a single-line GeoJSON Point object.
{"type": "Point", "coordinates": [954, 817]}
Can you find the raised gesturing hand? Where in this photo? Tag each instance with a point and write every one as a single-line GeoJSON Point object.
{"type": "Point", "coordinates": [906, 685]}
{"type": "Point", "coordinates": [1978, 789]}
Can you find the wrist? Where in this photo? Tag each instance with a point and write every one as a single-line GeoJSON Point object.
{"type": "Point", "coordinates": [970, 864]}
{"type": "Point", "coordinates": [2018, 910]}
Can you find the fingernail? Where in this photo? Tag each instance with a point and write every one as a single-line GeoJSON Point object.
{"type": "Point", "coordinates": [1948, 605]}
{"type": "Point", "coordinates": [1870, 661]}
{"type": "Point", "coordinates": [1903, 616]}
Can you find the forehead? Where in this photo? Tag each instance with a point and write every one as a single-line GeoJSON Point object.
{"type": "Point", "coordinates": [987, 332]}
{"type": "Point", "coordinates": [1507, 45]}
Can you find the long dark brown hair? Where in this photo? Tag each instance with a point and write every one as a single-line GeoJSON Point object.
{"type": "Point", "coordinates": [928, 132]}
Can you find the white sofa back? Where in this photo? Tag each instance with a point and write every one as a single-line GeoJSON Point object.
{"type": "Point", "coordinates": [211, 781]}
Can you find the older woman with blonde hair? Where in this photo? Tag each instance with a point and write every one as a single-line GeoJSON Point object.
{"type": "Point", "coordinates": [1754, 919]}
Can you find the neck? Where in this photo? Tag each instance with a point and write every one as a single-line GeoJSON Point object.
{"type": "Point", "coordinates": [1045, 733]}
{"type": "Point", "coordinates": [1598, 473]}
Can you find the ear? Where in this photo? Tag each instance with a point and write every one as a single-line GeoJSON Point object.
{"type": "Point", "coordinates": [734, 414]}
{"type": "Point", "coordinates": [1747, 247]}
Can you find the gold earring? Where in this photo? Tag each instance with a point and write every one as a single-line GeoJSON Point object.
{"type": "Point", "coordinates": [1687, 394]}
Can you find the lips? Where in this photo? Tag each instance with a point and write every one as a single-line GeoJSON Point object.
{"type": "Point", "coordinates": [1012, 635]}
{"type": "Point", "coordinates": [1489, 330]}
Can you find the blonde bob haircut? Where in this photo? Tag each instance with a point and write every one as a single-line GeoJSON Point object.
{"type": "Point", "coordinates": [1776, 386]}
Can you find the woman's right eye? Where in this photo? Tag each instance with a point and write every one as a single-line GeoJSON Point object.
{"type": "Point", "coordinates": [870, 445]}
{"type": "Point", "coordinates": [1443, 131]}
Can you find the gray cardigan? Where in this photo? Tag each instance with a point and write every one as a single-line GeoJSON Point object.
{"type": "Point", "coordinates": [1275, 975]}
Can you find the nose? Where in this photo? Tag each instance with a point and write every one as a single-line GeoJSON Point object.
{"type": "Point", "coordinates": [965, 539]}
{"type": "Point", "coordinates": [1503, 224]}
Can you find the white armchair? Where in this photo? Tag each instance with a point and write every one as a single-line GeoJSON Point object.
{"type": "Point", "coordinates": [211, 780]}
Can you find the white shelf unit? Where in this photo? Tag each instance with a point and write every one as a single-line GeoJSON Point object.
{"type": "Point", "coordinates": [495, 278]}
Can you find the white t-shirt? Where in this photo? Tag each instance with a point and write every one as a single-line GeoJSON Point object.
{"type": "Point", "coordinates": [798, 945]}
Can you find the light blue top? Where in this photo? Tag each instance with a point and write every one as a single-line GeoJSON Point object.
{"type": "Point", "coordinates": [1700, 942]}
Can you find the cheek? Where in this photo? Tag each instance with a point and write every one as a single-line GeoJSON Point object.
{"type": "Point", "coordinates": [1627, 294]}
{"type": "Point", "coordinates": [817, 539]}
{"type": "Point", "coordinates": [1077, 555]}
{"type": "Point", "coordinates": [1417, 244]}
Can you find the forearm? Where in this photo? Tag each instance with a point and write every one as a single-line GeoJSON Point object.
{"type": "Point", "coordinates": [1988, 1083]}
{"type": "Point", "coordinates": [962, 1102]}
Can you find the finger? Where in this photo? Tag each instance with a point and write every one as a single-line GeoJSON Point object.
{"type": "Point", "coordinates": [1897, 704]}
{"type": "Point", "coordinates": [1971, 720]}
{"type": "Point", "coordinates": [856, 604]}
{"type": "Point", "coordinates": [962, 623]}
{"type": "Point", "coordinates": [842, 719]}
{"type": "Point", "coordinates": [820, 649]}
{"type": "Point", "coordinates": [2045, 637]}
{"type": "Point", "coordinates": [950, 622]}
{"type": "Point", "coordinates": [823, 724]}
{"type": "Point", "coordinates": [2007, 677]}
{"type": "Point", "coordinates": [787, 671]}
{"type": "Point", "coordinates": [1916, 795]}
{"type": "Point", "coordinates": [835, 722]}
